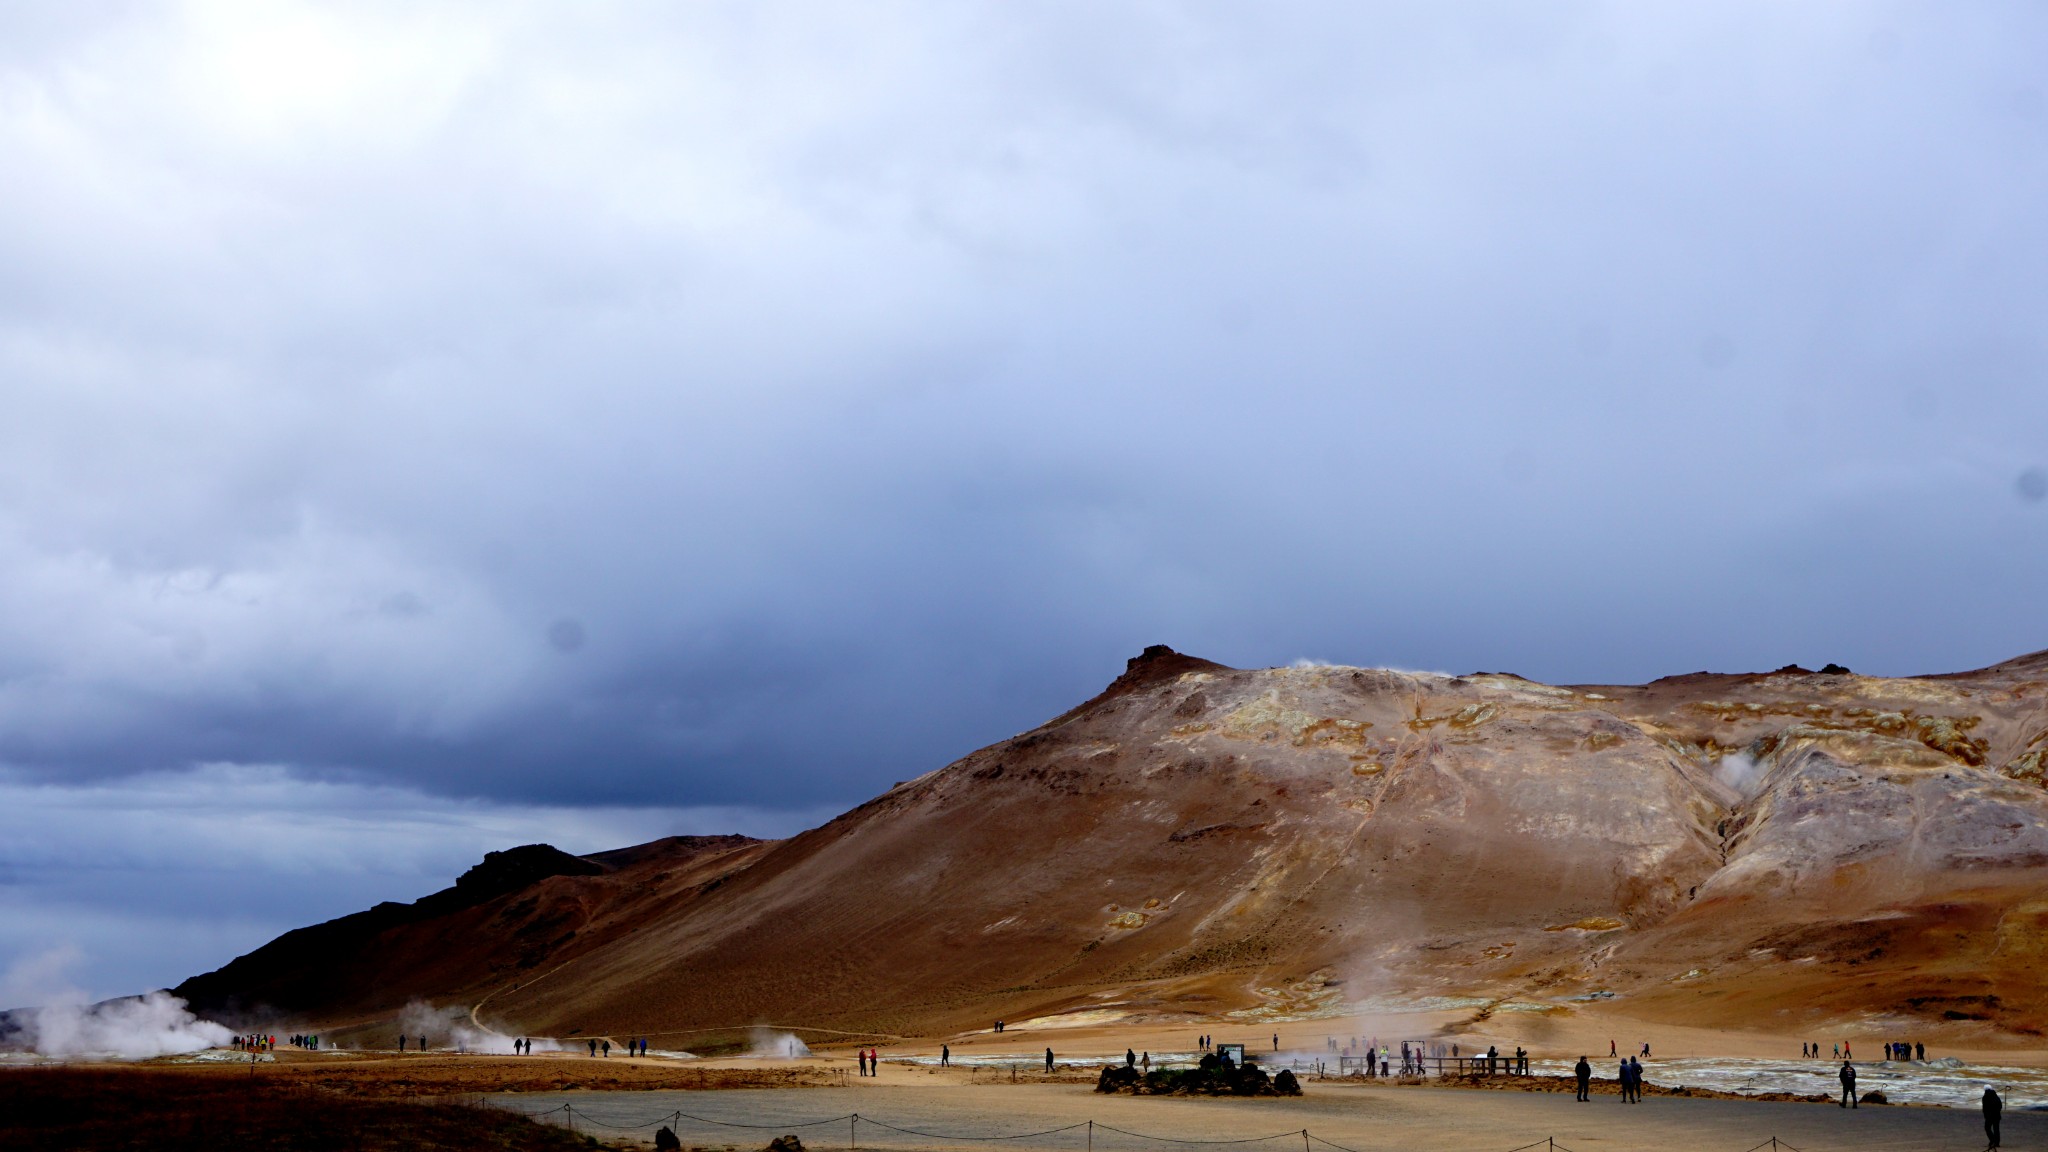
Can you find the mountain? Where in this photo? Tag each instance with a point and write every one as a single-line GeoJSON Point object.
{"type": "Point", "coordinates": [1794, 846]}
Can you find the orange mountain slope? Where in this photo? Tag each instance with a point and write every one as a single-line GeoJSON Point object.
{"type": "Point", "coordinates": [1288, 843]}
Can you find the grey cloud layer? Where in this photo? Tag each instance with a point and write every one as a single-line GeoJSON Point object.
{"type": "Point", "coordinates": [757, 406]}
{"type": "Point", "coordinates": [122, 886]}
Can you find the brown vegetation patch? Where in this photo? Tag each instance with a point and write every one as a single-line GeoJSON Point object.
{"type": "Point", "coordinates": [119, 1110]}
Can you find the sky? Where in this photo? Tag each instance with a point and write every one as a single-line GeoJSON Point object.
{"type": "Point", "coordinates": [432, 429]}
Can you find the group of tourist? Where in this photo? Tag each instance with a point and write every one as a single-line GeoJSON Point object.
{"type": "Point", "coordinates": [1631, 1080]}
{"type": "Point", "coordinates": [255, 1043]}
{"type": "Point", "coordinates": [600, 1045]}
{"type": "Point", "coordinates": [1893, 1050]}
{"type": "Point", "coordinates": [310, 1043]}
{"type": "Point", "coordinates": [1517, 1065]}
{"type": "Point", "coordinates": [1628, 1076]}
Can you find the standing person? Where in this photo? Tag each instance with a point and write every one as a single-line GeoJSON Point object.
{"type": "Point", "coordinates": [607, 1045]}
{"type": "Point", "coordinates": [401, 1042]}
{"type": "Point", "coordinates": [1276, 1041]}
{"type": "Point", "coordinates": [1584, 1072]}
{"type": "Point", "coordinates": [1993, 1106]}
{"type": "Point", "coordinates": [862, 1056]}
{"type": "Point", "coordinates": [1145, 1062]}
{"type": "Point", "coordinates": [1048, 1061]}
{"type": "Point", "coordinates": [1130, 1058]}
{"type": "Point", "coordinates": [1621, 1079]}
{"type": "Point", "coordinates": [1848, 1078]}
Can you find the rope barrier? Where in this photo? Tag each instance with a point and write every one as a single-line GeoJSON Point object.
{"type": "Point", "coordinates": [588, 1119]}
{"type": "Point", "coordinates": [942, 1136]}
{"type": "Point", "coordinates": [1177, 1140]}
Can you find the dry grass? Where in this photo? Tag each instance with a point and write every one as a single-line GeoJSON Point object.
{"type": "Point", "coordinates": [105, 1110]}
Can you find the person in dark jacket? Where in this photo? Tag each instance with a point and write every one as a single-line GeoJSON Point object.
{"type": "Point", "coordinates": [1584, 1071]}
{"type": "Point", "coordinates": [1848, 1078]}
{"type": "Point", "coordinates": [1992, 1107]}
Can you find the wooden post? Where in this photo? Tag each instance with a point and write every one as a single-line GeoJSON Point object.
{"type": "Point", "coordinates": [852, 1141]}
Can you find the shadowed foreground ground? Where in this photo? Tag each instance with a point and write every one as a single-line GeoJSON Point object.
{"type": "Point", "coordinates": [115, 1110]}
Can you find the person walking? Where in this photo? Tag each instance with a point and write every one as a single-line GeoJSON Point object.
{"type": "Point", "coordinates": [1145, 1062]}
{"type": "Point", "coordinates": [945, 1056]}
{"type": "Point", "coordinates": [1848, 1078]}
{"type": "Point", "coordinates": [1584, 1071]}
{"type": "Point", "coordinates": [1048, 1061]}
{"type": "Point", "coordinates": [1993, 1106]}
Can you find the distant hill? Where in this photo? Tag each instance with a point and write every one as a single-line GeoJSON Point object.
{"type": "Point", "coordinates": [1283, 843]}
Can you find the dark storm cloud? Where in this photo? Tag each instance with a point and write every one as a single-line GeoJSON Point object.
{"type": "Point", "coordinates": [756, 407]}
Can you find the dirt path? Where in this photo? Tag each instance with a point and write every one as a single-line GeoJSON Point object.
{"type": "Point", "coordinates": [1355, 1118]}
